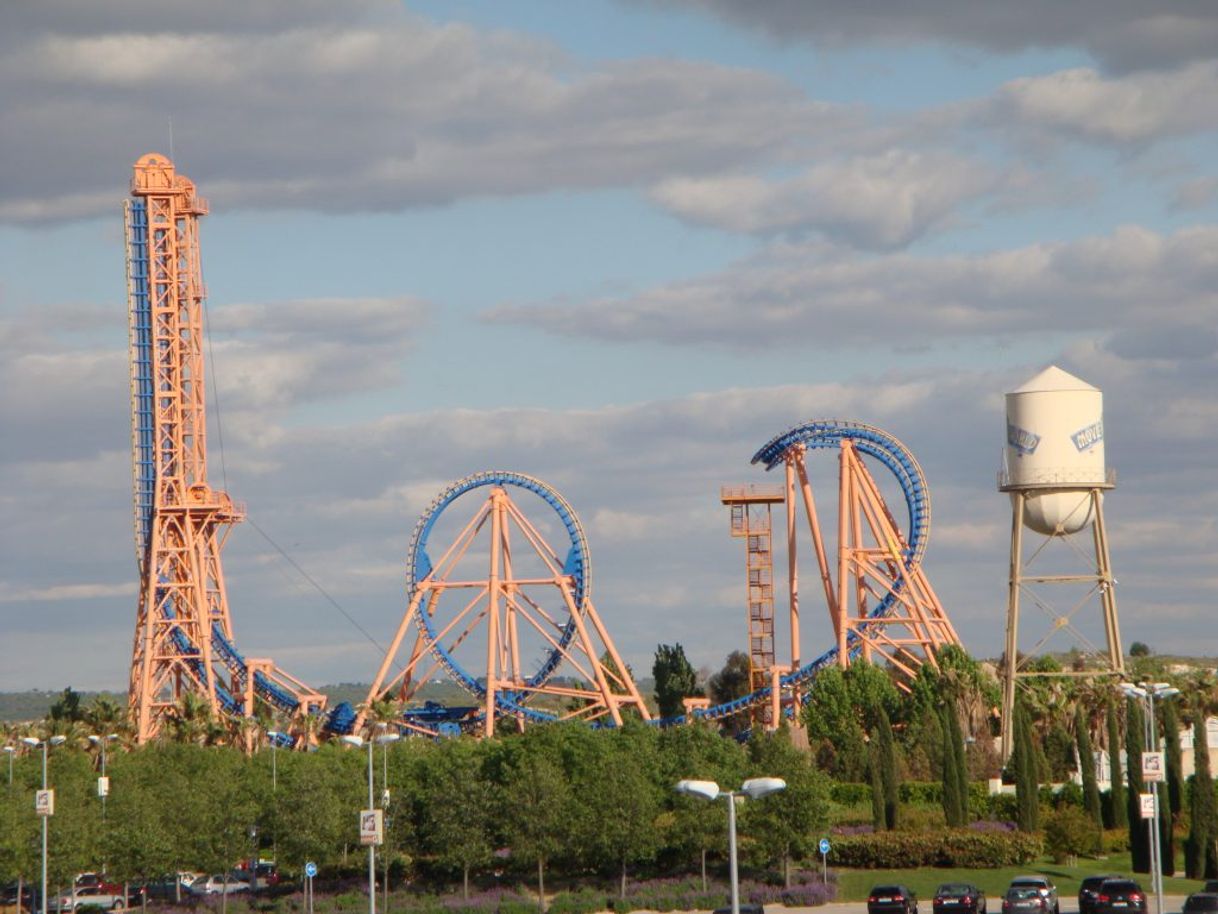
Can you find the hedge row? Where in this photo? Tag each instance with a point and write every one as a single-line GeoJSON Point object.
{"type": "Point", "coordinates": [949, 848]}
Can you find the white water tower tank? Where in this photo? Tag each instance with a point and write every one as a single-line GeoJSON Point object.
{"type": "Point", "coordinates": [1055, 450]}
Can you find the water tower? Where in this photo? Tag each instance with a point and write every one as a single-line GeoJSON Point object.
{"type": "Point", "coordinates": [1053, 469]}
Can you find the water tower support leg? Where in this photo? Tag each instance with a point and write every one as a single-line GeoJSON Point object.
{"type": "Point", "coordinates": [1011, 662]}
{"type": "Point", "coordinates": [1103, 565]}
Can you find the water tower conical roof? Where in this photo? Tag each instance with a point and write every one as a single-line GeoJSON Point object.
{"type": "Point", "coordinates": [1053, 378]}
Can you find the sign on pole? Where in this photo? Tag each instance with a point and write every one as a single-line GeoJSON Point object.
{"type": "Point", "coordinates": [103, 786]}
{"type": "Point", "coordinates": [1148, 805]}
{"type": "Point", "coordinates": [310, 869]}
{"type": "Point", "coordinates": [371, 827]}
{"type": "Point", "coordinates": [824, 846]}
{"type": "Point", "coordinates": [1153, 768]}
{"type": "Point", "coordinates": [44, 802]}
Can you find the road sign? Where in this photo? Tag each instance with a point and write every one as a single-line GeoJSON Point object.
{"type": "Point", "coordinates": [310, 869]}
{"type": "Point", "coordinates": [824, 845]}
{"type": "Point", "coordinates": [103, 787]}
{"type": "Point", "coordinates": [1148, 805]}
{"type": "Point", "coordinates": [44, 802]}
{"type": "Point", "coordinates": [371, 827]}
{"type": "Point", "coordinates": [1153, 768]}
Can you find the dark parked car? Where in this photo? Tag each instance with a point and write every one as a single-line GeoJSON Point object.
{"type": "Point", "coordinates": [8, 900]}
{"type": "Point", "coordinates": [1210, 887]}
{"type": "Point", "coordinates": [1024, 899]}
{"type": "Point", "coordinates": [959, 896]}
{"type": "Point", "coordinates": [1201, 903]}
{"type": "Point", "coordinates": [1089, 889]}
{"type": "Point", "coordinates": [892, 899]}
{"type": "Point", "coordinates": [1117, 896]}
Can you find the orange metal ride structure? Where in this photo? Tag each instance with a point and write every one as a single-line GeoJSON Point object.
{"type": "Point", "coordinates": [880, 601]}
{"type": "Point", "coordinates": [501, 599]}
{"type": "Point", "coordinates": [183, 633]}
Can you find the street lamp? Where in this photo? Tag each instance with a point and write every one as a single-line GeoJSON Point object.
{"type": "Point", "coordinates": [45, 798]}
{"type": "Point", "coordinates": [359, 741]}
{"type": "Point", "coordinates": [10, 751]}
{"type": "Point", "coordinates": [385, 739]}
{"type": "Point", "coordinates": [1148, 692]}
{"type": "Point", "coordinates": [754, 789]}
{"type": "Point", "coordinates": [274, 736]}
{"type": "Point", "coordinates": [103, 782]}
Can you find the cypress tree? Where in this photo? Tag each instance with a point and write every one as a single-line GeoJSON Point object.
{"type": "Point", "coordinates": [961, 760]}
{"type": "Point", "coordinates": [1086, 764]}
{"type": "Point", "coordinates": [1120, 815]}
{"type": "Point", "coordinates": [1167, 822]}
{"type": "Point", "coordinates": [876, 777]}
{"type": "Point", "coordinates": [888, 769]}
{"type": "Point", "coordinates": [1026, 786]}
{"type": "Point", "coordinates": [1200, 853]}
{"type": "Point", "coordinates": [951, 783]}
{"type": "Point", "coordinates": [1139, 836]}
{"type": "Point", "coordinates": [931, 740]}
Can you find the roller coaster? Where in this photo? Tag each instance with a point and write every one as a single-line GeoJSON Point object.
{"type": "Point", "coordinates": [499, 593]}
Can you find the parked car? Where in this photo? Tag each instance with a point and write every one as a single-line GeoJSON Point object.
{"type": "Point", "coordinates": [1210, 887]}
{"type": "Point", "coordinates": [1024, 899]}
{"type": "Point", "coordinates": [97, 881]}
{"type": "Point", "coordinates": [1119, 895]}
{"type": "Point", "coordinates": [215, 885]}
{"type": "Point", "coordinates": [1089, 889]}
{"type": "Point", "coordinates": [959, 896]}
{"type": "Point", "coordinates": [1044, 886]}
{"type": "Point", "coordinates": [92, 897]}
{"type": "Point", "coordinates": [891, 899]}
{"type": "Point", "coordinates": [1201, 903]}
{"type": "Point", "coordinates": [8, 900]}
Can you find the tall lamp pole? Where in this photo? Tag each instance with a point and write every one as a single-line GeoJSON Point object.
{"type": "Point", "coordinates": [10, 751]}
{"type": "Point", "coordinates": [385, 739]}
{"type": "Point", "coordinates": [103, 782]}
{"type": "Point", "coordinates": [44, 810]}
{"type": "Point", "coordinates": [1148, 692]}
{"type": "Point", "coordinates": [359, 741]}
{"type": "Point", "coordinates": [274, 736]}
{"type": "Point", "coordinates": [754, 789]}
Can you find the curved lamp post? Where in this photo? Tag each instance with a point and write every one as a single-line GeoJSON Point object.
{"type": "Point", "coordinates": [1147, 692]}
{"type": "Point", "coordinates": [45, 813]}
{"type": "Point", "coordinates": [754, 789]}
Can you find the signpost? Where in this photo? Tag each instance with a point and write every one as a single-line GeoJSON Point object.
{"type": "Point", "coordinates": [1148, 805]}
{"type": "Point", "coordinates": [1153, 768]}
{"type": "Point", "coordinates": [310, 870]}
{"type": "Point", "coordinates": [103, 787]}
{"type": "Point", "coordinates": [371, 827]}
{"type": "Point", "coordinates": [44, 802]}
{"type": "Point", "coordinates": [823, 847]}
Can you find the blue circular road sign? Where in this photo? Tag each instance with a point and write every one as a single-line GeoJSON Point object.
{"type": "Point", "coordinates": [311, 869]}
{"type": "Point", "coordinates": [824, 845]}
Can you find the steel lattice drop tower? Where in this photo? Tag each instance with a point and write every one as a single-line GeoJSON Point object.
{"type": "Point", "coordinates": [183, 634]}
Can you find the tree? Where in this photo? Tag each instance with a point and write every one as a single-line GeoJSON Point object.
{"type": "Point", "coordinates": [887, 757]}
{"type": "Point", "coordinates": [959, 762]}
{"type": "Point", "coordinates": [1201, 847]}
{"type": "Point", "coordinates": [1091, 789]}
{"type": "Point", "coordinates": [66, 708]}
{"type": "Point", "coordinates": [1027, 790]}
{"type": "Point", "coordinates": [675, 679]}
{"type": "Point", "coordinates": [1139, 839]}
{"type": "Point", "coordinates": [951, 784]}
{"type": "Point", "coordinates": [1138, 649]}
{"type": "Point", "coordinates": [458, 802]}
{"type": "Point", "coordinates": [730, 683]}
{"type": "Point", "coordinates": [1120, 814]}
{"type": "Point", "coordinates": [875, 777]}
{"type": "Point", "coordinates": [1069, 832]}
{"type": "Point", "coordinates": [783, 827]}
{"type": "Point", "coordinates": [537, 816]}
{"type": "Point", "coordinates": [1167, 823]}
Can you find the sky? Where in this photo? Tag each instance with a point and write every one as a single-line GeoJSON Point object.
{"type": "Point", "coordinates": [616, 245]}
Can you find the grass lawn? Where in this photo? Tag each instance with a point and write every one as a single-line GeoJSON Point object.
{"type": "Point", "coordinates": [853, 885]}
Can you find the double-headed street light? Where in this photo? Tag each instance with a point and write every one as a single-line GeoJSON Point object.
{"type": "Point", "coordinates": [274, 736]}
{"type": "Point", "coordinates": [44, 803]}
{"type": "Point", "coordinates": [753, 788]}
{"type": "Point", "coordinates": [1147, 692]}
{"type": "Point", "coordinates": [103, 782]}
{"type": "Point", "coordinates": [371, 838]}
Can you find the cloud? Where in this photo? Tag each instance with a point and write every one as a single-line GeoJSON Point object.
{"type": "Point", "coordinates": [877, 202]}
{"type": "Point", "coordinates": [1132, 109]}
{"type": "Point", "coordinates": [349, 111]}
{"type": "Point", "coordinates": [1124, 35]}
{"type": "Point", "coordinates": [811, 296]}
{"type": "Point", "coordinates": [60, 592]}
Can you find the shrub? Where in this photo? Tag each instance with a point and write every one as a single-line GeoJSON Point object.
{"type": "Point", "coordinates": [949, 847]}
{"type": "Point", "coordinates": [1069, 832]}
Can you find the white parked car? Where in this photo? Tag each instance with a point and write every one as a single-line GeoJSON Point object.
{"type": "Point", "coordinates": [214, 885]}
